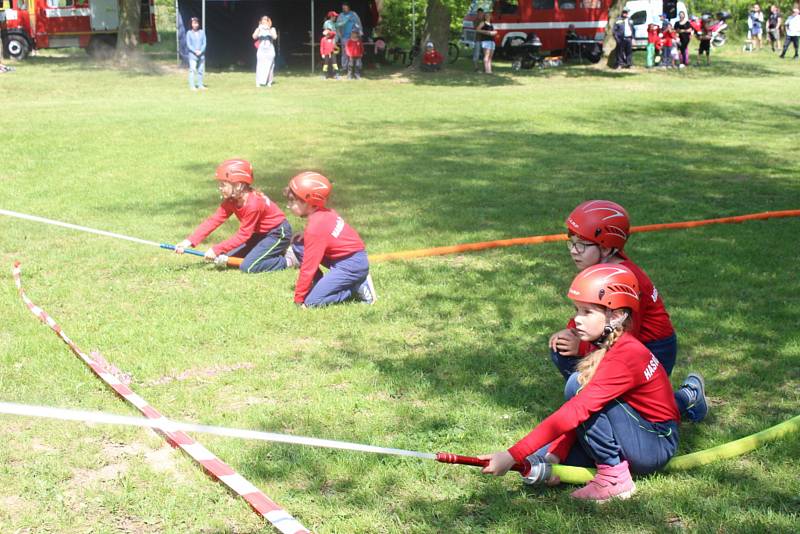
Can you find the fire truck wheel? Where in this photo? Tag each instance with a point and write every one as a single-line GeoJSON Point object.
{"type": "Point", "coordinates": [17, 46]}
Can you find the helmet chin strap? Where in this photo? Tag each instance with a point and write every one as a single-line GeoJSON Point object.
{"type": "Point", "coordinates": [608, 329]}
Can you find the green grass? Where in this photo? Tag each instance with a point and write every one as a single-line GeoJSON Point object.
{"type": "Point", "coordinates": [453, 357]}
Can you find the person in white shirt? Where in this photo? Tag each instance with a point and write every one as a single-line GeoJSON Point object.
{"type": "Point", "coordinates": [792, 26]}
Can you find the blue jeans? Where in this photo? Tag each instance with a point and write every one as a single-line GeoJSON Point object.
{"type": "Point", "coordinates": [264, 252]}
{"type": "Point", "coordinates": [618, 432]}
{"type": "Point", "coordinates": [197, 67]}
{"type": "Point", "coordinates": [342, 280]}
{"type": "Point", "coordinates": [665, 350]}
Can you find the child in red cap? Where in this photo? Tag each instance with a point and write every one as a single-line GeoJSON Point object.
{"type": "Point", "coordinates": [327, 47]}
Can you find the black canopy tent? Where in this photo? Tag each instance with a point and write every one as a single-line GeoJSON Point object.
{"type": "Point", "coordinates": [229, 26]}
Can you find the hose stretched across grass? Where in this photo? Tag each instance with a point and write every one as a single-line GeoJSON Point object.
{"type": "Point", "coordinates": [438, 251]}
{"type": "Point", "coordinates": [71, 226]}
{"type": "Point", "coordinates": [567, 474]}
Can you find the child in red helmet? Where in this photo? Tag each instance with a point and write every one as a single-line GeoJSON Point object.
{"type": "Point", "coordinates": [329, 241]}
{"type": "Point", "coordinates": [264, 233]}
{"type": "Point", "coordinates": [620, 414]}
{"type": "Point", "coordinates": [327, 47]}
{"type": "Point", "coordinates": [598, 231]}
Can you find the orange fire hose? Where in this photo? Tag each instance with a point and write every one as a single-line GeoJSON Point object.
{"type": "Point", "coordinates": [537, 239]}
{"type": "Point", "coordinates": [467, 247]}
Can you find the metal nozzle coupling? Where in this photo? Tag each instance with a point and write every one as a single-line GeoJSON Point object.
{"type": "Point", "coordinates": [540, 471]}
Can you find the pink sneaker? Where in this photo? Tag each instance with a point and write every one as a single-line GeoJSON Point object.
{"type": "Point", "coordinates": [610, 482]}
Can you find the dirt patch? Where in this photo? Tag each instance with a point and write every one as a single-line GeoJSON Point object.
{"type": "Point", "coordinates": [119, 456]}
{"type": "Point", "coordinates": [13, 506]}
{"type": "Point", "coordinates": [252, 401]}
{"type": "Point", "coordinates": [132, 525]}
{"type": "Point", "coordinates": [202, 373]}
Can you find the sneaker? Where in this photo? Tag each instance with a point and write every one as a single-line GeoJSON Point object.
{"type": "Point", "coordinates": [698, 407]}
{"type": "Point", "coordinates": [610, 482]}
{"type": "Point", "coordinates": [291, 258]}
{"type": "Point", "coordinates": [366, 291]}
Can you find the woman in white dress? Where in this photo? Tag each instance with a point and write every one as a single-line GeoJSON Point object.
{"type": "Point", "coordinates": [265, 37]}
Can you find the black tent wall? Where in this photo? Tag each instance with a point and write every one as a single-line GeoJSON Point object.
{"type": "Point", "coordinates": [229, 27]}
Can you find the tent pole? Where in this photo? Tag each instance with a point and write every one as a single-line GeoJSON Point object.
{"type": "Point", "coordinates": [204, 15]}
{"type": "Point", "coordinates": [177, 37]}
{"type": "Point", "coordinates": [413, 22]}
{"type": "Point", "coordinates": [311, 37]}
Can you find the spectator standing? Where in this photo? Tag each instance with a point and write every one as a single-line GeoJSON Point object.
{"type": "Point", "coordinates": [792, 25]}
{"type": "Point", "coordinates": [755, 25]}
{"type": "Point", "coordinates": [774, 27]}
{"type": "Point", "coordinates": [327, 47]}
{"type": "Point", "coordinates": [487, 33]}
{"type": "Point", "coordinates": [684, 29]}
{"type": "Point", "coordinates": [704, 35]}
{"type": "Point", "coordinates": [476, 44]}
{"type": "Point", "coordinates": [265, 36]}
{"type": "Point", "coordinates": [346, 22]}
{"type": "Point", "coordinates": [355, 51]}
{"type": "Point", "coordinates": [623, 35]}
{"type": "Point", "coordinates": [653, 42]}
{"type": "Point", "coordinates": [196, 46]}
{"type": "Point", "coordinates": [667, 46]}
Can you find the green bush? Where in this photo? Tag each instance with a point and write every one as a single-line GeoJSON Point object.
{"type": "Point", "coordinates": [739, 10]}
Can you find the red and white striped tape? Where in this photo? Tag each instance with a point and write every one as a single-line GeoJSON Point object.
{"type": "Point", "coordinates": [261, 504]}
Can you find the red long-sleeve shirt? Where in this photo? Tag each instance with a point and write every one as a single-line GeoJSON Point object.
{"type": "Point", "coordinates": [326, 237]}
{"type": "Point", "coordinates": [628, 372]}
{"type": "Point", "coordinates": [258, 215]}
{"type": "Point", "coordinates": [432, 57]}
{"type": "Point", "coordinates": [652, 322]}
{"type": "Point", "coordinates": [354, 49]}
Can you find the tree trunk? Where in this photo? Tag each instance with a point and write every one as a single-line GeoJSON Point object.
{"type": "Point", "coordinates": [437, 30]}
{"type": "Point", "coordinates": [130, 13]}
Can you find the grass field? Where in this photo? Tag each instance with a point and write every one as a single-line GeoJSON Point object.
{"type": "Point", "coordinates": [453, 356]}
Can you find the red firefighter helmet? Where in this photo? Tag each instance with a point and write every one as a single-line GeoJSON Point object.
{"type": "Point", "coordinates": [600, 221]}
{"type": "Point", "coordinates": [609, 284]}
{"type": "Point", "coordinates": [235, 171]}
{"type": "Point", "coordinates": [311, 187]}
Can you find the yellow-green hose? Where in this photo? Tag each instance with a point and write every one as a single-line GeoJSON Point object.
{"type": "Point", "coordinates": [581, 475]}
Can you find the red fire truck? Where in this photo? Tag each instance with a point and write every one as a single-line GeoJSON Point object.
{"type": "Point", "coordinates": [91, 24]}
{"type": "Point", "coordinates": [519, 20]}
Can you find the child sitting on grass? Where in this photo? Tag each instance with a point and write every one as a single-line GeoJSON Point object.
{"type": "Point", "coordinates": [355, 51]}
{"type": "Point", "coordinates": [264, 233]}
{"type": "Point", "coordinates": [329, 241]}
{"type": "Point", "coordinates": [598, 231]}
{"type": "Point", "coordinates": [620, 414]}
{"type": "Point", "coordinates": [433, 59]}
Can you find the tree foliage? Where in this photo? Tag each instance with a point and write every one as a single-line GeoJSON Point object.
{"type": "Point", "coordinates": [396, 17]}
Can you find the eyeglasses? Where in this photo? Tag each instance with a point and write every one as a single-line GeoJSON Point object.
{"type": "Point", "coordinates": [579, 247]}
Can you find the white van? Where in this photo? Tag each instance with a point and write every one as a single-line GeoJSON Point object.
{"type": "Point", "coordinates": [644, 12]}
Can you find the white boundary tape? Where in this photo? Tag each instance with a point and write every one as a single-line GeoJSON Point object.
{"type": "Point", "coordinates": [258, 501]}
